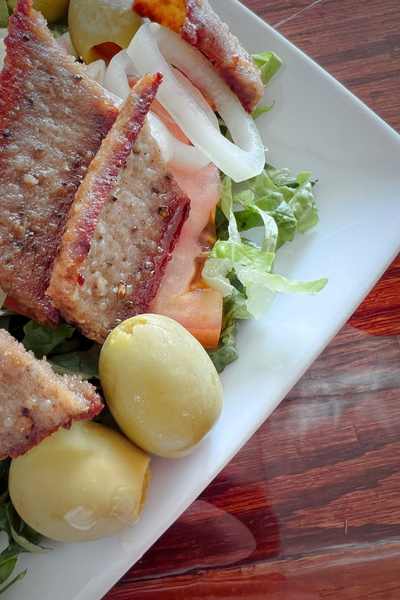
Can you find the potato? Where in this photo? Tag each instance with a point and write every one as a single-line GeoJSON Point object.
{"type": "Point", "coordinates": [53, 10]}
{"type": "Point", "coordinates": [160, 385]}
{"type": "Point", "coordinates": [94, 22]}
{"type": "Point", "coordinates": [80, 484]}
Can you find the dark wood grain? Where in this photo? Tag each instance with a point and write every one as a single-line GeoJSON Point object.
{"type": "Point", "coordinates": [310, 508]}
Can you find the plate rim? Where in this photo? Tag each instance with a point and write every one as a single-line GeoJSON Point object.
{"type": "Point", "coordinates": [97, 587]}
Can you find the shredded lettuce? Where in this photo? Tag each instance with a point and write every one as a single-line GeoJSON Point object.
{"type": "Point", "coordinates": [289, 200]}
{"type": "Point", "coordinates": [242, 270]}
{"type": "Point", "coordinates": [282, 206]}
{"type": "Point", "coordinates": [261, 109]}
{"type": "Point", "coordinates": [268, 63]}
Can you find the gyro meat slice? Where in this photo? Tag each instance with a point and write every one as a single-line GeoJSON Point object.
{"type": "Point", "coordinates": [52, 121]}
{"type": "Point", "coordinates": [123, 226]}
{"type": "Point", "coordinates": [201, 27]}
{"type": "Point", "coordinates": [35, 401]}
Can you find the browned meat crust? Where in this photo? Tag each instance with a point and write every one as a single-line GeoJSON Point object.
{"type": "Point", "coordinates": [52, 121]}
{"type": "Point", "coordinates": [201, 27]}
{"type": "Point", "coordinates": [123, 226]}
{"type": "Point", "coordinates": [34, 401]}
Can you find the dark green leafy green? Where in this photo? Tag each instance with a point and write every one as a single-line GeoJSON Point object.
{"type": "Point", "coordinates": [59, 28]}
{"type": "Point", "coordinates": [66, 350]}
{"type": "Point", "coordinates": [45, 340]}
{"type": "Point", "coordinates": [85, 362]}
{"type": "Point", "coordinates": [4, 320]}
{"type": "Point", "coordinates": [226, 353]}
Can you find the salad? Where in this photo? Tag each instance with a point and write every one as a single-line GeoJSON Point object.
{"type": "Point", "coordinates": [140, 222]}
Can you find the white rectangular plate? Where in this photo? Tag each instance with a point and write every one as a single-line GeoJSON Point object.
{"type": "Point", "coordinates": [317, 125]}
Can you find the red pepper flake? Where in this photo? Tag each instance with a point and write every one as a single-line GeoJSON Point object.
{"type": "Point", "coordinates": [81, 279]}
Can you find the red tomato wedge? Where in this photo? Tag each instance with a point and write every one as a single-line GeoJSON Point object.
{"type": "Point", "coordinates": [182, 296]}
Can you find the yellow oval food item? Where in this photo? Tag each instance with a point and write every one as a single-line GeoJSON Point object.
{"type": "Point", "coordinates": [80, 484]}
{"type": "Point", "coordinates": [53, 10]}
{"type": "Point", "coordinates": [93, 23]}
{"type": "Point", "coordinates": [160, 385]}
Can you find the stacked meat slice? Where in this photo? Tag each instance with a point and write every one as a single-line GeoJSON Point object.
{"type": "Point", "coordinates": [86, 207]}
{"type": "Point", "coordinates": [52, 121]}
{"type": "Point", "coordinates": [104, 257]}
{"type": "Point", "coordinates": [123, 225]}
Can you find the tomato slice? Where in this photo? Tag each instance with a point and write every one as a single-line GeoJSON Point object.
{"type": "Point", "coordinates": [183, 296]}
{"type": "Point", "coordinates": [107, 50]}
{"type": "Point", "coordinates": [168, 121]}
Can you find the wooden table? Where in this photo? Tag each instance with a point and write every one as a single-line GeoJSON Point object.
{"type": "Point", "coordinates": [310, 508]}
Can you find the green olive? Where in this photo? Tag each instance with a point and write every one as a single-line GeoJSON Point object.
{"type": "Point", "coordinates": [53, 10]}
{"type": "Point", "coordinates": [101, 23]}
{"type": "Point", "coordinates": [80, 484]}
{"type": "Point", "coordinates": [160, 385]}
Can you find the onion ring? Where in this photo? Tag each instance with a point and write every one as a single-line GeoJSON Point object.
{"type": "Point", "coordinates": [150, 49]}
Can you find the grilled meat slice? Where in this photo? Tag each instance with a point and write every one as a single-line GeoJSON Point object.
{"type": "Point", "coordinates": [201, 27]}
{"type": "Point", "coordinates": [52, 121]}
{"type": "Point", "coordinates": [34, 401]}
{"type": "Point", "coordinates": [125, 220]}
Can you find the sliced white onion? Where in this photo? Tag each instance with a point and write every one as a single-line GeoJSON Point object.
{"type": "Point", "coordinates": [197, 96]}
{"type": "Point", "coordinates": [151, 49]}
{"type": "Point", "coordinates": [96, 70]}
{"type": "Point", "coordinates": [174, 152]}
{"type": "Point", "coordinates": [162, 136]}
{"type": "Point", "coordinates": [116, 78]}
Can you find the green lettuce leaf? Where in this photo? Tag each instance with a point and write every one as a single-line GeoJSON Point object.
{"type": "Point", "coordinates": [262, 109]}
{"type": "Point", "coordinates": [268, 63]}
{"type": "Point", "coordinates": [289, 200]}
{"type": "Point", "coordinates": [18, 577]}
{"type": "Point", "coordinates": [282, 205]}
{"type": "Point", "coordinates": [226, 353]}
